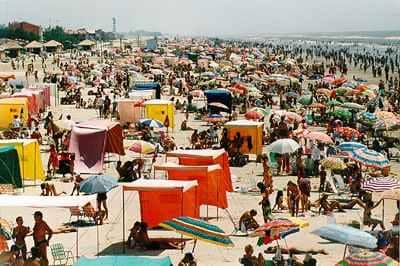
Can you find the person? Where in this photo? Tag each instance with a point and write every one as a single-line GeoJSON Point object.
{"type": "Point", "coordinates": [304, 185]}
{"type": "Point", "coordinates": [16, 123]}
{"type": "Point", "coordinates": [188, 260]}
{"type": "Point", "coordinates": [249, 260]}
{"type": "Point", "coordinates": [19, 233]}
{"type": "Point", "coordinates": [36, 135]}
{"type": "Point", "coordinates": [293, 198]}
{"type": "Point", "coordinates": [34, 260]}
{"type": "Point", "coordinates": [49, 189]}
{"type": "Point", "coordinates": [77, 184]}
{"type": "Point", "coordinates": [53, 162]}
{"type": "Point", "coordinates": [145, 242]}
{"type": "Point", "coordinates": [15, 259]}
{"type": "Point", "coordinates": [247, 221]}
{"type": "Point", "coordinates": [279, 201]}
{"type": "Point", "coordinates": [265, 203]}
{"type": "Point", "coordinates": [322, 179]}
{"type": "Point", "coordinates": [106, 106]}
{"type": "Point", "coordinates": [185, 127]}
{"type": "Point", "coordinates": [133, 235]}
{"type": "Point", "coordinates": [267, 175]}
{"type": "Point", "coordinates": [316, 157]}
{"type": "Point", "coordinates": [69, 123]}
{"type": "Point", "coordinates": [328, 206]}
{"type": "Point", "coordinates": [99, 105]}
{"type": "Point", "coordinates": [367, 215]}
{"type": "Point", "coordinates": [102, 201]}
{"type": "Point", "coordinates": [273, 250]}
{"type": "Point", "coordinates": [39, 236]}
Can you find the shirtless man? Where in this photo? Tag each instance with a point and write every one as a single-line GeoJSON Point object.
{"type": "Point", "coordinates": [293, 198]}
{"type": "Point", "coordinates": [39, 236]}
{"type": "Point", "coordinates": [19, 233]}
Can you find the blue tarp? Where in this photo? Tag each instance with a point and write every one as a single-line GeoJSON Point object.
{"type": "Point", "coordinates": [124, 260]}
{"type": "Point", "coordinates": [219, 96]}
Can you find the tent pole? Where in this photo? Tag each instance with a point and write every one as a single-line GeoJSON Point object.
{"type": "Point", "coordinates": [194, 245]}
{"type": "Point", "coordinates": [97, 233]}
{"type": "Point", "coordinates": [344, 253]}
{"type": "Point", "coordinates": [123, 220]}
{"type": "Point", "coordinates": [383, 211]}
{"type": "Point", "coordinates": [77, 243]}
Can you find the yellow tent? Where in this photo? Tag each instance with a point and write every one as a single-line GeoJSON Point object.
{"type": "Point", "coordinates": [30, 161]}
{"type": "Point", "coordinates": [250, 131]}
{"type": "Point", "coordinates": [9, 107]}
{"type": "Point", "coordinates": [159, 110]}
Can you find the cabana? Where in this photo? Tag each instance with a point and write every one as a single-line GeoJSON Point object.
{"type": "Point", "coordinates": [52, 46]}
{"type": "Point", "coordinates": [91, 140]}
{"type": "Point", "coordinates": [160, 110]}
{"type": "Point", "coordinates": [13, 201]}
{"type": "Point", "coordinates": [250, 131]}
{"type": "Point", "coordinates": [10, 107]}
{"type": "Point", "coordinates": [206, 157]}
{"type": "Point", "coordinates": [211, 185]}
{"type": "Point", "coordinates": [10, 172]}
{"type": "Point", "coordinates": [87, 45]}
{"type": "Point", "coordinates": [39, 97]}
{"type": "Point", "coordinates": [34, 47]}
{"type": "Point", "coordinates": [32, 106]}
{"type": "Point", "coordinates": [30, 160]}
{"type": "Point", "coordinates": [162, 200]}
{"type": "Point", "coordinates": [130, 111]}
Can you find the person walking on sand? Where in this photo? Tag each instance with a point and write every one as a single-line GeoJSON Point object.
{"type": "Point", "coordinates": [39, 236]}
{"type": "Point", "coordinates": [19, 233]}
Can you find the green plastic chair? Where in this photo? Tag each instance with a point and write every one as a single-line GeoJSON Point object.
{"type": "Point", "coordinates": [60, 255]}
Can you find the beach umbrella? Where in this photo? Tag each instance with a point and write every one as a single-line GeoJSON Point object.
{"type": "Point", "coordinates": [198, 230]}
{"type": "Point", "coordinates": [98, 184]}
{"type": "Point", "coordinates": [346, 235]}
{"type": "Point", "coordinates": [341, 113]}
{"type": "Point", "coordinates": [351, 146]}
{"type": "Point", "coordinates": [262, 111]}
{"type": "Point", "coordinates": [380, 184]}
{"type": "Point", "coordinates": [324, 91]}
{"type": "Point", "coordinates": [368, 117]}
{"type": "Point", "coordinates": [319, 136]}
{"type": "Point", "coordinates": [388, 124]}
{"type": "Point", "coordinates": [348, 132]}
{"type": "Point", "coordinates": [333, 163]}
{"type": "Point", "coordinates": [142, 147]}
{"type": "Point", "coordinates": [391, 194]}
{"type": "Point", "coordinates": [219, 105]}
{"type": "Point", "coordinates": [284, 146]}
{"type": "Point", "coordinates": [370, 158]}
{"type": "Point", "coordinates": [292, 94]}
{"type": "Point", "coordinates": [367, 258]}
{"type": "Point", "coordinates": [353, 106]}
{"type": "Point", "coordinates": [151, 123]}
{"type": "Point", "coordinates": [274, 230]}
{"type": "Point", "coordinates": [299, 222]}
{"type": "Point", "coordinates": [291, 116]}
{"type": "Point", "coordinates": [333, 103]}
{"type": "Point", "coordinates": [317, 106]}
{"type": "Point", "coordinates": [252, 115]}
{"type": "Point", "coordinates": [350, 84]}
{"type": "Point", "coordinates": [306, 100]}
{"type": "Point", "coordinates": [339, 81]}
{"type": "Point", "coordinates": [384, 115]}
{"type": "Point", "coordinates": [197, 93]}
{"type": "Point", "coordinates": [215, 118]}
{"type": "Point", "coordinates": [342, 91]}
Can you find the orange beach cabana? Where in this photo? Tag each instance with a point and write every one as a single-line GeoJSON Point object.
{"type": "Point", "coordinates": [206, 157]}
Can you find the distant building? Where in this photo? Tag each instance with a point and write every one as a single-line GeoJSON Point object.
{"type": "Point", "coordinates": [26, 26]}
{"type": "Point", "coordinates": [151, 44]}
{"type": "Point", "coordinates": [82, 34]}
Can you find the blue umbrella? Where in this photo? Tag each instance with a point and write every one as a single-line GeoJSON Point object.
{"type": "Point", "coordinates": [151, 123]}
{"type": "Point", "coordinates": [346, 235]}
{"type": "Point", "coordinates": [98, 184]}
{"type": "Point", "coordinates": [351, 146]}
{"type": "Point", "coordinates": [370, 158]}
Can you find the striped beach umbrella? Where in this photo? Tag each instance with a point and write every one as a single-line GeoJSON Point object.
{"type": "Point", "coordinates": [370, 158]}
{"type": "Point", "coordinates": [151, 123]}
{"type": "Point", "coordinates": [351, 146]}
{"type": "Point", "coordinates": [198, 230]}
{"type": "Point", "coordinates": [381, 184]}
{"type": "Point", "coordinates": [367, 258]}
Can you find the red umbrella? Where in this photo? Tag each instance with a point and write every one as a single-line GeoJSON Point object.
{"type": "Point", "coordinates": [253, 115]}
{"type": "Point", "coordinates": [348, 132]}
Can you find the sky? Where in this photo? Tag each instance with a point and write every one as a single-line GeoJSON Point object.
{"type": "Point", "coordinates": [209, 17]}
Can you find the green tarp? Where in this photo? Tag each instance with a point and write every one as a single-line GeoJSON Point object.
{"type": "Point", "coordinates": [9, 167]}
{"type": "Point", "coordinates": [124, 260]}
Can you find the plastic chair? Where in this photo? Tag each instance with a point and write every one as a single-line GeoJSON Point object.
{"type": "Point", "coordinates": [60, 255]}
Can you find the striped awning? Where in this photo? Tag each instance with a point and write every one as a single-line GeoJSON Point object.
{"type": "Point", "coordinates": [198, 230]}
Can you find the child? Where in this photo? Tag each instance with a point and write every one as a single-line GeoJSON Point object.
{"type": "Point", "coordinates": [19, 233]}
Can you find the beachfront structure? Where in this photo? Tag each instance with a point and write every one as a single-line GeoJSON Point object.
{"type": "Point", "coordinates": [52, 46]}
{"type": "Point", "coordinates": [250, 131]}
{"type": "Point", "coordinates": [34, 47]}
{"type": "Point", "coordinates": [161, 110]}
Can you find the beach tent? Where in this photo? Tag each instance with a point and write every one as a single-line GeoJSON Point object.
{"type": "Point", "coordinates": [148, 85]}
{"type": "Point", "coordinates": [211, 188]}
{"type": "Point", "coordinates": [250, 131]}
{"type": "Point", "coordinates": [9, 167]}
{"type": "Point", "coordinates": [87, 44]}
{"type": "Point", "coordinates": [9, 107]}
{"type": "Point", "coordinates": [52, 46]}
{"type": "Point", "coordinates": [142, 95]}
{"type": "Point", "coordinates": [206, 157]}
{"type": "Point", "coordinates": [48, 89]}
{"type": "Point", "coordinates": [221, 96]}
{"type": "Point", "coordinates": [30, 161]}
{"type": "Point", "coordinates": [91, 140]}
{"type": "Point", "coordinates": [130, 111]}
{"type": "Point", "coordinates": [124, 260]}
{"type": "Point", "coordinates": [34, 47]}
{"type": "Point", "coordinates": [39, 96]}
{"type": "Point", "coordinates": [32, 107]}
{"type": "Point", "coordinates": [162, 200]}
{"type": "Point", "coordinates": [160, 110]}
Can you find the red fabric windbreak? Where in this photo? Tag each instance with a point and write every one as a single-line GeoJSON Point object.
{"type": "Point", "coordinates": [114, 141]}
{"type": "Point", "coordinates": [222, 160]}
{"type": "Point", "coordinates": [159, 206]}
{"type": "Point", "coordinates": [209, 191]}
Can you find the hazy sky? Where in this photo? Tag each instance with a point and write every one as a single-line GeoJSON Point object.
{"type": "Point", "coordinates": [209, 17]}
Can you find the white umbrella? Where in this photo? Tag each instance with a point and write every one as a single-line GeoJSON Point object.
{"type": "Point", "coordinates": [284, 146]}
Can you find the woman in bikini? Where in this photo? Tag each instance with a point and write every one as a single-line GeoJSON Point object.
{"type": "Point", "coordinates": [19, 233]}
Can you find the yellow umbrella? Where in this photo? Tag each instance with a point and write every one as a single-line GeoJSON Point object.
{"type": "Point", "coordinates": [333, 163]}
{"type": "Point", "coordinates": [299, 222]}
{"type": "Point", "coordinates": [142, 147]}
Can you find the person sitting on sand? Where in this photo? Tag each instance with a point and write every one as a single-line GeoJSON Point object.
{"type": "Point", "coordinates": [188, 260]}
{"type": "Point", "coordinates": [49, 189]}
{"type": "Point", "coordinates": [279, 201]}
{"type": "Point", "coordinates": [247, 221]}
{"type": "Point", "coordinates": [327, 206]}
{"type": "Point", "coordinates": [77, 184]}
{"type": "Point", "coordinates": [249, 260]}
{"type": "Point", "coordinates": [145, 242]}
{"type": "Point", "coordinates": [185, 127]}
{"type": "Point", "coordinates": [133, 235]}
{"type": "Point", "coordinates": [19, 233]}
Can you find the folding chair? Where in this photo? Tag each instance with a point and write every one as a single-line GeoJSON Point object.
{"type": "Point", "coordinates": [60, 255]}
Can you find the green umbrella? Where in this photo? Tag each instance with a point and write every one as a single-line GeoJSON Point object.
{"type": "Point", "coordinates": [306, 100]}
{"type": "Point", "coordinates": [342, 91]}
{"type": "Point", "coordinates": [342, 113]}
{"type": "Point", "coordinates": [262, 111]}
{"type": "Point", "coordinates": [334, 103]}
